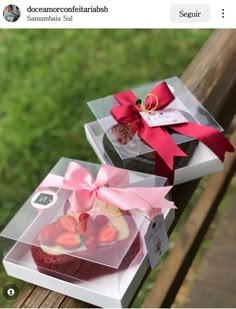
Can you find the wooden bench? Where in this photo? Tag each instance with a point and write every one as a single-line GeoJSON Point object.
{"type": "Point", "coordinates": [211, 77]}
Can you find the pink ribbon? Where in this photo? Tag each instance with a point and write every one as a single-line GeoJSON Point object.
{"type": "Point", "coordinates": [85, 189]}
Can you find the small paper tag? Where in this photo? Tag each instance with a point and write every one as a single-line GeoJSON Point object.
{"type": "Point", "coordinates": [156, 240]}
{"type": "Point", "coordinates": [44, 199]}
{"type": "Point", "coordinates": [163, 118]}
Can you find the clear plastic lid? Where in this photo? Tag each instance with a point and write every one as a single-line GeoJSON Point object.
{"type": "Point", "coordinates": [184, 101]}
{"type": "Point", "coordinates": [48, 226]}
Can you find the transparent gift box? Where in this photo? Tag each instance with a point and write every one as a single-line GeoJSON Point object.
{"type": "Point", "coordinates": [116, 144]}
{"type": "Point", "coordinates": [98, 255]}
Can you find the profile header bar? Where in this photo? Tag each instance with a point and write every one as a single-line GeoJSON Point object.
{"type": "Point", "coordinates": [117, 14]}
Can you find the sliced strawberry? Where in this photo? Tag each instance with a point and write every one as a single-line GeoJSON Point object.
{"type": "Point", "coordinates": [83, 216]}
{"type": "Point", "coordinates": [91, 242]}
{"type": "Point", "coordinates": [68, 240]}
{"type": "Point", "coordinates": [107, 234]}
{"type": "Point", "coordinates": [68, 223]}
{"type": "Point", "coordinates": [49, 233]}
{"type": "Point", "coordinates": [87, 227]}
{"type": "Point", "coordinates": [82, 228]}
{"type": "Point", "coordinates": [101, 220]}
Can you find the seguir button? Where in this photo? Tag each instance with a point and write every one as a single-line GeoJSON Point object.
{"type": "Point", "coordinates": [190, 13]}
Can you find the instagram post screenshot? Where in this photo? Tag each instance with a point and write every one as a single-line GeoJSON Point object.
{"type": "Point", "coordinates": [117, 154]}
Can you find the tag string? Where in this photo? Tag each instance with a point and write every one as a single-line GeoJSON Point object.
{"type": "Point", "coordinates": [148, 109]}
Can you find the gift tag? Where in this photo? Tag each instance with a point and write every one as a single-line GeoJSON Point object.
{"type": "Point", "coordinates": [163, 117]}
{"type": "Point", "coordinates": [44, 199]}
{"type": "Point", "coordinates": [156, 240]}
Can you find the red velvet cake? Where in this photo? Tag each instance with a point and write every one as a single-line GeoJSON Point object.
{"type": "Point", "coordinates": [119, 139]}
{"type": "Point", "coordinates": [87, 245]}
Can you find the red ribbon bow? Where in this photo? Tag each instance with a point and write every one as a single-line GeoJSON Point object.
{"type": "Point", "coordinates": [158, 137]}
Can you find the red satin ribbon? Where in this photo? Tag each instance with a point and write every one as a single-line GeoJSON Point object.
{"type": "Point", "coordinates": [159, 138]}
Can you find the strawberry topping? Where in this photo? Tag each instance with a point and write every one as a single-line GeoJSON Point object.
{"type": "Point", "coordinates": [68, 240]}
{"type": "Point", "coordinates": [67, 222]}
{"type": "Point", "coordinates": [108, 234]}
{"type": "Point", "coordinates": [49, 233]}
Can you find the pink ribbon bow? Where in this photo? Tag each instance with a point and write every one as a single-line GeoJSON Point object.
{"type": "Point", "coordinates": [85, 189]}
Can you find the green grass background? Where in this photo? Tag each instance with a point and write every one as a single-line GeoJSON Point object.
{"type": "Point", "coordinates": [46, 78]}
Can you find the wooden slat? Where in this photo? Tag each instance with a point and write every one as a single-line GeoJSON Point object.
{"type": "Point", "coordinates": [36, 298]}
{"type": "Point", "coordinates": [180, 258]}
{"type": "Point", "coordinates": [211, 78]}
{"type": "Point", "coordinates": [53, 300]}
{"type": "Point", "coordinates": [74, 303]}
{"type": "Point", "coordinates": [215, 283]}
{"type": "Point", "coordinates": [25, 294]}
{"type": "Point", "coordinates": [211, 75]}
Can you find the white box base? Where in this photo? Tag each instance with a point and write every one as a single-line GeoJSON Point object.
{"type": "Point", "coordinates": [202, 163]}
{"type": "Point", "coordinates": [19, 263]}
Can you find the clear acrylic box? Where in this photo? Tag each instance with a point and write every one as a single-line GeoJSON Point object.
{"type": "Point", "coordinates": [116, 144]}
{"type": "Point", "coordinates": [45, 245]}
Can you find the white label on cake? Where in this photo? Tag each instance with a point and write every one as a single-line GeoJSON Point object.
{"type": "Point", "coordinates": [44, 199]}
{"type": "Point", "coordinates": [156, 240]}
{"type": "Point", "coordinates": [163, 117]}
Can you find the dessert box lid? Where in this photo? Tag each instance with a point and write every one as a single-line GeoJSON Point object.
{"type": "Point", "coordinates": [48, 203]}
{"type": "Point", "coordinates": [184, 101]}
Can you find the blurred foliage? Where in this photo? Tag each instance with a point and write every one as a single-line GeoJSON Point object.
{"type": "Point", "coordinates": [46, 78]}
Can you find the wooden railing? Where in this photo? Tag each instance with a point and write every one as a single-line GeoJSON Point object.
{"type": "Point", "coordinates": [212, 78]}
